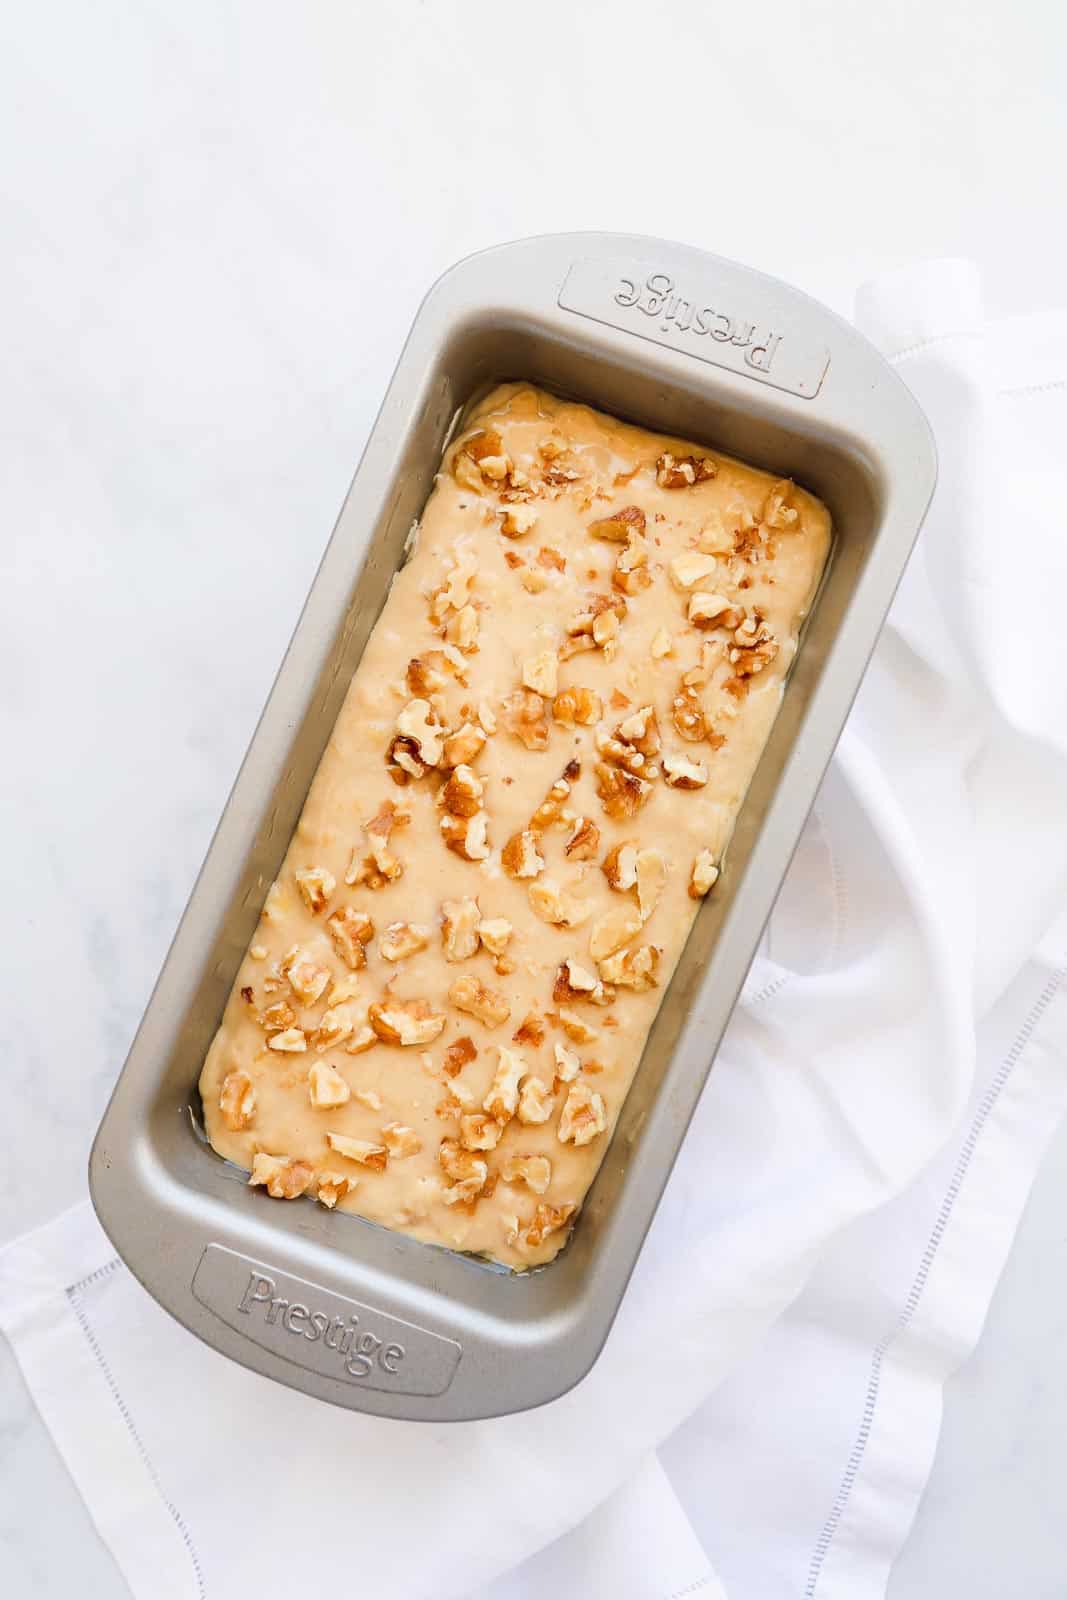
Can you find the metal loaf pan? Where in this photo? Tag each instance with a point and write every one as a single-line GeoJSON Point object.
{"type": "Point", "coordinates": [677, 340]}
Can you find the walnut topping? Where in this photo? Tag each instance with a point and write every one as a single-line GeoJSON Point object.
{"type": "Point", "coordinates": [363, 1039]}
{"type": "Point", "coordinates": [535, 1101]}
{"type": "Point", "coordinates": [520, 857]}
{"type": "Point", "coordinates": [576, 1027]}
{"type": "Point", "coordinates": [711, 654]}
{"type": "Point", "coordinates": [534, 582]}
{"type": "Point", "coordinates": [468, 1173]}
{"type": "Point", "coordinates": [462, 746]}
{"type": "Point", "coordinates": [403, 939]}
{"type": "Point", "coordinates": [458, 1054]}
{"type": "Point", "coordinates": [552, 559]}
{"type": "Point", "coordinates": [631, 574]}
{"type": "Point", "coordinates": [471, 995]}
{"type": "Point", "coordinates": [777, 511]}
{"type": "Point", "coordinates": [502, 1099]}
{"type": "Point", "coordinates": [552, 904]}
{"type": "Point", "coordinates": [612, 930]}
{"type": "Point", "coordinates": [290, 1042]}
{"type": "Point", "coordinates": [689, 568]}
{"type": "Point", "coordinates": [584, 841]}
{"type": "Point", "coordinates": [541, 673]}
{"type": "Point", "coordinates": [681, 773]}
{"type": "Point", "coordinates": [281, 1176]}
{"type": "Point", "coordinates": [547, 1219]}
{"type": "Point", "coordinates": [632, 969]}
{"type": "Point", "coordinates": [365, 1151]}
{"type": "Point", "coordinates": [479, 1131]}
{"type": "Point", "coordinates": [708, 610]}
{"type": "Point", "coordinates": [463, 794]}
{"type": "Point", "coordinates": [326, 1087]}
{"type": "Point", "coordinates": [703, 874]}
{"type": "Point", "coordinates": [687, 714]}
{"type": "Point", "coordinates": [421, 732]}
{"type": "Point", "coordinates": [620, 526]}
{"type": "Point", "coordinates": [662, 644]}
{"type": "Point", "coordinates": [574, 982]}
{"type": "Point", "coordinates": [524, 716]}
{"type": "Point", "coordinates": [534, 1171]}
{"type": "Point", "coordinates": [351, 931]}
{"type": "Point", "coordinates": [621, 793]}
{"type": "Point", "coordinates": [307, 978]}
{"type": "Point", "coordinates": [427, 674]}
{"type": "Point", "coordinates": [400, 1141]}
{"type": "Point", "coordinates": [596, 609]}
{"type": "Point", "coordinates": [583, 1116]}
{"type": "Point", "coordinates": [258, 952]}
{"type": "Point", "coordinates": [331, 1187]}
{"type": "Point", "coordinates": [316, 885]}
{"type": "Point", "coordinates": [462, 629]}
{"type": "Point", "coordinates": [276, 1018]}
{"type": "Point", "coordinates": [620, 865]}
{"type": "Point", "coordinates": [495, 932]}
{"type": "Point", "coordinates": [641, 730]}
{"type": "Point", "coordinates": [579, 705]}
{"type": "Point", "coordinates": [459, 929]}
{"type": "Point", "coordinates": [531, 1030]}
{"type": "Point", "coordinates": [681, 472]}
{"type": "Point", "coordinates": [466, 836]}
{"type": "Point", "coordinates": [568, 1064]}
{"type": "Point", "coordinates": [651, 879]}
{"type": "Point", "coordinates": [379, 866]}
{"type": "Point", "coordinates": [551, 808]}
{"type": "Point", "coordinates": [342, 989]}
{"type": "Point", "coordinates": [237, 1101]}
{"type": "Point", "coordinates": [755, 647]}
{"type": "Point", "coordinates": [516, 521]}
{"type": "Point", "coordinates": [405, 1022]}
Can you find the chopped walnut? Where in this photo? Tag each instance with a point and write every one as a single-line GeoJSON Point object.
{"type": "Point", "coordinates": [748, 660]}
{"type": "Point", "coordinates": [632, 969]}
{"type": "Point", "coordinates": [620, 865]}
{"type": "Point", "coordinates": [574, 982]}
{"type": "Point", "coordinates": [495, 932]}
{"type": "Point", "coordinates": [612, 930]}
{"type": "Point", "coordinates": [515, 521]}
{"type": "Point", "coordinates": [777, 511]}
{"type": "Point", "coordinates": [281, 1176]}
{"type": "Point", "coordinates": [703, 875]}
{"type": "Point", "coordinates": [576, 1027]}
{"type": "Point", "coordinates": [362, 1040]}
{"type": "Point", "coordinates": [427, 674]}
{"type": "Point", "coordinates": [520, 857]}
{"type": "Point", "coordinates": [524, 716]}
{"type": "Point", "coordinates": [541, 673]}
{"type": "Point", "coordinates": [631, 574]}
{"type": "Point", "coordinates": [461, 747]}
{"type": "Point", "coordinates": [479, 1131]}
{"type": "Point", "coordinates": [620, 526]}
{"type": "Point", "coordinates": [326, 1087]}
{"type": "Point", "coordinates": [534, 1171]}
{"type": "Point", "coordinates": [400, 1141]}
{"type": "Point", "coordinates": [690, 568]}
{"type": "Point", "coordinates": [307, 978]}
{"type": "Point", "coordinates": [552, 904]}
{"type": "Point", "coordinates": [351, 931]}
{"type": "Point", "coordinates": [651, 880]}
{"type": "Point", "coordinates": [466, 836]}
{"type": "Point", "coordinates": [584, 841]}
{"type": "Point", "coordinates": [641, 730]}
{"type": "Point", "coordinates": [258, 952]}
{"type": "Point", "coordinates": [662, 644]}
{"type": "Point", "coordinates": [579, 705]}
{"type": "Point", "coordinates": [418, 724]}
{"type": "Point", "coordinates": [237, 1101]}
{"type": "Point", "coordinates": [462, 629]}
{"type": "Point", "coordinates": [316, 885]}
{"type": "Point", "coordinates": [583, 1116]}
{"type": "Point", "coordinates": [547, 1219]}
{"type": "Point", "coordinates": [503, 1096]}
{"type": "Point", "coordinates": [681, 773]}
{"type": "Point", "coordinates": [379, 866]}
{"type": "Point", "coordinates": [403, 939]}
{"type": "Point", "coordinates": [535, 1101]}
{"type": "Point", "coordinates": [459, 929]}
{"type": "Point", "coordinates": [291, 1042]}
{"type": "Point", "coordinates": [681, 472]}
{"type": "Point", "coordinates": [471, 995]}
{"type": "Point", "coordinates": [331, 1187]}
{"type": "Point", "coordinates": [534, 582]}
{"type": "Point", "coordinates": [687, 714]}
{"type": "Point", "coordinates": [364, 1151]}
{"type": "Point", "coordinates": [621, 793]}
{"type": "Point", "coordinates": [276, 1018]}
{"type": "Point", "coordinates": [468, 1173]}
{"type": "Point", "coordinates": [551, 808]}
{"type": "Point", "coordinates": [459, 1053]}
{"type": "Point", "coordinates": [405, 1022]}
{"type": "Point", "coordinates": [568, 1063]}
{"type": "Point", "coordinates": [463, 794]}
{"type": "Point", "coordinates": [551, 559]}
{"type": "Point", "coordinates": [708, 610]}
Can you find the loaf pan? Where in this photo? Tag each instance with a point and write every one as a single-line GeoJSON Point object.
{"type": "Point", "coordinates": [680, 342]}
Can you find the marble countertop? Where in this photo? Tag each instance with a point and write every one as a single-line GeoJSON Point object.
{"type": "Point", "coordinates": [218, 222]}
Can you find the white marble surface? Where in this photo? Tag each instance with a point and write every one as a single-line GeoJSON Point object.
{"type": "Point", "coordinates": [218, 220]}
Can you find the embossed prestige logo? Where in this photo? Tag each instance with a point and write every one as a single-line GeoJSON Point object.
{"type": "Point", "coordinates": [359, 1350]}
{"type": "Point", "coordinates": [658, 299]}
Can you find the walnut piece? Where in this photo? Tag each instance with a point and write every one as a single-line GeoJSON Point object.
{"type": "Point", "coordinates": [690, 568]}
{"type": "Point", "coordinates": [326, 1087]}
{"type": "Point", "coordinates": [316, 884]}
{"type": "Point", "coordinates": [541, 673]}
{"type": "Point", "coordinates": [641, 730]}
{"type": "Point", "coordinates": [681, 773]}
{"type": "Point", "coordinates": [237, 1101]}
{"type": "Point", "coordinates": [651, 880]}
{"type": "Point", "coordinates": [631, 574]}
{"type": "Point", "coordinates": [620, 865]}
{"type": "Point", "coordinates": [290, 1042]}
{"type": "Point", "coordinates": [276, 1018]}
{"type": "Point", "coordinates": [515, 521]}
{"type": "Point", "coordinates": [662, 644]}
{"type": "Point", "coordinates": [468, 1173]}
{"type": "Point", "coordinates": [553, 905]}
{"type": "Point", "coordinates": [535, 1101]}
{"type": "Point", "coordinates": [584, 841]}
{"type": "Point", "coordinates": [687, 714]}
{"type": "Point", "coordinates": [400, 1141]}
{"type": "Point", "coordinates": [403, 939]}
{"type": "Point", "coordinates": [583, 1116]}
{"type": "Point", "coordinates": [458, 1054]}
{"type": "Point", "coordinates": [362, 1040]}
{"type": "Point", "coordinates": [405, 1022]}
{"type": "Point", "coordinates": [331, 1187]}
{"type": "Point", "coordinates": [547, 1219]}
{"type": "Point", "coordinates": [307, 978]}
{"type": "Point", "coordinates": [777, 511]}
{"type": "Point", "coordinates": [703, 875]}
{"type": "Point", "coordinates": [351, 931]}
{"type": "Point", "coordinates": [621, 793]}
{"type": "Point", "coordinates": [709, 610]}
{"type": "Point", "coordinates": [552, 806]}
{"type": "Point", "coordinates": [681, 472]}
{"type": "Point", "coordinates": [632, 969]}
{"type": "Point", "coordinates": [281, 1176]}
{"type": "Point", "coordinates": [462, 629]}
{"type": "Point", "coordinates": [461, 747]}
{"type": "Point", "coordinates": [524, 716]}
{"type": "Point", "coordinates": [364, 1151]}
{"type": "Point", "coordinates": [577, 705]}
{"type": "Point", "coordinates": [612, 930]}
{"type": "Point", "coordinates": [418, 725]}
{"type": "Point", "coordinates": [502, 1099]}
{"type": "Point", "coordinates": [495, 932]}
{"type": "Point", "coordinates": [459, 929]}
{"type": "Point", "coordinates": [619, 527]}
{"type": "Point", "coordinates": [575, 982]}
{"type": "Point", "coordinates": [470, 995]}
{"type": "Point", "coordinates": [520, 857]}
{"type": "Point", "coordinates": [534, 1171]}
{"type": "Point", "coordinates": [466, 836]}
{"type": "Point", "coordinates": [568, 1063]}
{"type": "Point", "coordinates": [463, 794]}
{"type": "Point", "coordinates": [576, 1027]}
{"type": "Point", "coordinates": [479, 1131]}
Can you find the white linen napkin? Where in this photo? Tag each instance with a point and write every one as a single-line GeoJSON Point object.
{"type": "Point", "coordinates": [933, 863]}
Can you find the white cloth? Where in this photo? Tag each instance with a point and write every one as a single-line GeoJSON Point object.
{"type": "Point", "coordinates": [806, 1245]}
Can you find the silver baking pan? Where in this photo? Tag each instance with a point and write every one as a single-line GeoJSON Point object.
{"type": "Point", "coordinates": [678, 341]}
